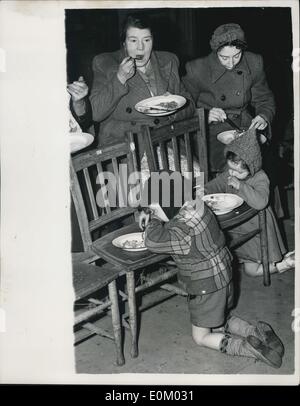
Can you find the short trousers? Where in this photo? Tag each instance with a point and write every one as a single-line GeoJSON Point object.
{"type": "Point", "coordinates": [209, 311]}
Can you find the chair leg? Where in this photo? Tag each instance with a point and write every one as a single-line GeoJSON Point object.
{"type": "Point", "coordinates": [264, 247]}
{"type": "Point", "coordinates": [116, 322]}
{"type": "Point", "coordinates": [132, 312]}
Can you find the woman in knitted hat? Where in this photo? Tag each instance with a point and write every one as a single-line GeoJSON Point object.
{"type": "Point", "coordinates": [243, 176]}
{"type": "Point", "coordinates": [227, 82]}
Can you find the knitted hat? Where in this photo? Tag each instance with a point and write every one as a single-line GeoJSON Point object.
{"type": "Point", "coordinates": [247, 148]}
{"type": "Point", "coordinates": [226, 33]}
{"type": "Point", "coordinates": [165, 188]}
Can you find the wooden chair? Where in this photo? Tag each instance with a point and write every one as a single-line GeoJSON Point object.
{"type": "Point", "coordinates": [180, 137]}
{"type": "Point", "coordinates": [88, 280]}
{"type": "Point", "coordinates": [172, 146]}
{"type": "Point", "coordinates": [99, 226]}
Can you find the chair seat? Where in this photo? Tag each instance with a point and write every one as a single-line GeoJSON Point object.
{"type": "Point", "coordinates": [124, 260]}
{"type": "Point", "coordinates": [89, 278]}
{"type": "Point", "coordinates": [236, 216]}
{"type": "Point", "coordinates": [85, 257]}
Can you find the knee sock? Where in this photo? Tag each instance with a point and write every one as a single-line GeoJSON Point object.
{"type": "Point", "coordinates": [261, 331]}
{"type": "Point", "coordinates": [235, 346]}
{"type": "Point", "coordinates": [240, 327]}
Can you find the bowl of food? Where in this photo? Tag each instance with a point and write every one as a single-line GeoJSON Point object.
{"type": "Point", "coordinates": [133, 242]}
{"type": "Point", "coordinates": [222, 203]}
{"type": "Point", "coordinates": [160, 105]}
{"type": "Point", "coordinates": [226, 137]}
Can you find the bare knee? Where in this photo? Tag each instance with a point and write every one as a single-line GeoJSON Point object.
{"type": "Point", "coordinates": [253, 269]}
{"type": "Point", "coordinates": [199, 333]}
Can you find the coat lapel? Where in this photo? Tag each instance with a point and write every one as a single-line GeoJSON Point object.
{"type": "Point", "coordinates": [139, 87]}
{"type": "Point", "coordinates": [244, 65]}
{"type": "Point", "coordinates": [217, 70]}
{"type": "Point", "coordinates": [162, 73]}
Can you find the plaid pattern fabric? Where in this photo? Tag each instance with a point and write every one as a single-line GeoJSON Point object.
{"type": "Point", "coordinates": [196, 243]}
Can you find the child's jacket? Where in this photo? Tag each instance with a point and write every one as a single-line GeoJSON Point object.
{"type": "Point", "coordinates": [195, 241]}
{"type": "Point", "coordinates": [255, 191]}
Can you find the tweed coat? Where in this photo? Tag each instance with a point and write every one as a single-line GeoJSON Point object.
{"type": "Point", "coordinates": [113, 103]}
{"type": "Point", "coordinates": [236, 91]}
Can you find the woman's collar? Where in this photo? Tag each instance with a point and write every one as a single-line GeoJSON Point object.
{"type": "Point", "coordinates": [218, 70]}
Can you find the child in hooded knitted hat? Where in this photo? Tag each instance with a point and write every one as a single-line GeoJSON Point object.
{"type": "Point", "coordinates": [193, 238]}
{"type": "Point", "coordinates": [244, 176]}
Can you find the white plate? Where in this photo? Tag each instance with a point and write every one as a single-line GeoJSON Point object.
{"type": "Point", "coordinates": [223, 202]}
{"type": "Point", "coordinates": [125, 240]}
{"type": "Point", "coordinates": [226, 137]}
{"type": "Point", "coordinates": [79, 141]}
{"type": "Point", "coordinates": [145, 106]}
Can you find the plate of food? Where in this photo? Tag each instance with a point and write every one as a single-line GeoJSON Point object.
{"type": "Point", "coordinates": [222, 203]}
{"type": "Point", "coordinates": [133, 242]}
{"type": "Point", "coordinates": [226, 137]}
{"type": "Point", "coordinates": [79, 140]}
{"type": "Point", "coordinates": [160, 105]}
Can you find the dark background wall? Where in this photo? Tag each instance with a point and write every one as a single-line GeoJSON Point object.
{"type": "Point", "coordinates": [186, 32]}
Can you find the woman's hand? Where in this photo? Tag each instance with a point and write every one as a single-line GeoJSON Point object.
{"type": "Point", "coordinates": [78, 89]}
{"type": "Point", "coordinates": [126, 69]}
{"type": "Point", "coordinates": [234, 182]}
{"type": "Point", "coordinates": [259, 123]}
{"type": "Point", "coordinates": [143, 220]}
{"type": "Point", "coordinates": [216, 114]}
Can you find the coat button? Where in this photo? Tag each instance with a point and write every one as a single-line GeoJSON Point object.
{"type": "Point", "coordinates": [133, 122]}
{"type": "Point", "coordinates": [156, 121]}
{"type": "Point", "coordinates": [239, 72]}
{"type": "Point", "coordinates": [238, 93]}
{"type": "Point", "coordinates": [129, 110]}
{"type": "Point", "coordinates": [223, 97]}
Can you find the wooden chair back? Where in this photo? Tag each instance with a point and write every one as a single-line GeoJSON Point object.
{"type": "Point", "coordinates": [99, 187]}
{"type": "Point", "coordinates": [180, 146]}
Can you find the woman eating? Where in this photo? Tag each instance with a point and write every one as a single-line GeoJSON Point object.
{"type": "Point", "coordinates": [228, 83]}
{"type": "Point", "coordinates": [130, 75]}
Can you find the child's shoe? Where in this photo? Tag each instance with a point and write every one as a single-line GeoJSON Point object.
{"type": "Point", "coordinates": [263, 352]}
{"type": "Point", "coordinates": [250, 347]}
{"type": "Point", "coordinates": [269, 337]}
{"type": "Point", "coordinates": [262, 331]}
{"type": "Point", "coordinates": [287, 263]}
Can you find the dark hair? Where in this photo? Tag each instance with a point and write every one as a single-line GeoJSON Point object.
{"type": "Point", "coordinates": [231, 156]}
{"type": "Point", "coordinates": [242, 45]}
{"type": "Point", "coordinates": [137, 20]}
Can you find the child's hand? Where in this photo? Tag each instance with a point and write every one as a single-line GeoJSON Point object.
{"type": "Point", "coordinates": [234, 182]}
{"type": "Point", "coordinates": [143, 220]}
